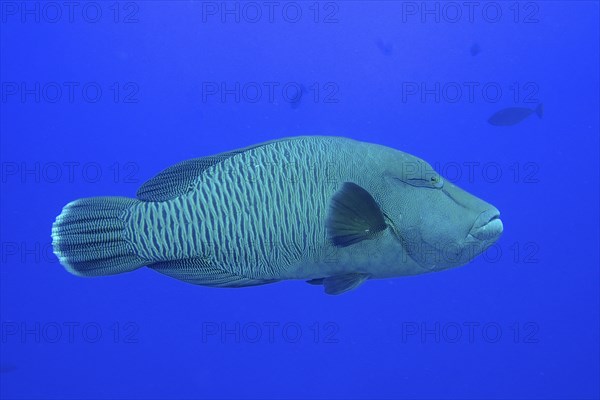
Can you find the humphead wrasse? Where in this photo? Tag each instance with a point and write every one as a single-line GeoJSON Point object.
{"type": "Point", "coordinates": [329, 210]}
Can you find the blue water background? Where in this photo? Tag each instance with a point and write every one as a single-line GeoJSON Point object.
{"type": "Point", "coordinates": [532, 306]}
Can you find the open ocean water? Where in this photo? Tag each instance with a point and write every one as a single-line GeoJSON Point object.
{"type": "Point", "coordinates": [500, 97]}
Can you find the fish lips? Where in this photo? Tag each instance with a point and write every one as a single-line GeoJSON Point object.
{"type": "Point", "coordinates": [487, 227]}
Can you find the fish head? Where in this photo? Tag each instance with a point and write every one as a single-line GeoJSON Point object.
{"type": "Point", "coordinates": [439, 225]}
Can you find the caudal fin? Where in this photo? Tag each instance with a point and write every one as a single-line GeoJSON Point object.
{"type": "Point", "coordinates": [539, 110]}
{"type": "Point", "coordinates": [87, 237]}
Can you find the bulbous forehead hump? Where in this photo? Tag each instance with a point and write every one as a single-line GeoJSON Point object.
{"type": "Point", "coordinates": [403, 165]}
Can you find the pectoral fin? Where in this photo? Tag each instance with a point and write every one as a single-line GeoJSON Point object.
{"type": "Point", "coordinates": [339, 284]}
{"type": "Point", "coordinates": [354, 216]}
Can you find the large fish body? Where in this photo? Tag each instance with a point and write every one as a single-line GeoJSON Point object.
{"type": "Point", "coordinates": [330, 210]}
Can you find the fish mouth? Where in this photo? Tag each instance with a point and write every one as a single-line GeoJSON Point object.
{"type": "Point", "coordinates": [488, 226]}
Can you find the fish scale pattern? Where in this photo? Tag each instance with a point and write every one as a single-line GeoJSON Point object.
{"type": "Point", "coordinates": [254, 214]}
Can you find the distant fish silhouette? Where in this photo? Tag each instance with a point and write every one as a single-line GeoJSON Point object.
{"type": "Point", "coordinates": [385, 48]}
{"type": "Point", "coordinates": [514, 115]}
{"type": "Point", "coordinates": [475, 49]}
{"type": "Point", "coordinates": [295, 102]}
{"type": "Point", "coordinates": [5, 368]}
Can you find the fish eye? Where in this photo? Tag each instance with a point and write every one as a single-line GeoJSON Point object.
{"type": "Point", "coordinates": [430, 183]}
{"type": "Point", "coordinates": [437, 182]}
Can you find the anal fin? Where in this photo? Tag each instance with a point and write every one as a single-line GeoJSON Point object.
{"type": "Point", "coordinates": [200, 271]}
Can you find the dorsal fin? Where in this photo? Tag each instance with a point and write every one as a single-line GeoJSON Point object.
{"type": "Point", "coordinates": [178, 179]}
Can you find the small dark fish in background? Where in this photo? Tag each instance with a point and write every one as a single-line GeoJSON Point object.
{"type": "Point", "coordinates": [5, 368]}
{"type": "Point", "coordinates": [385, 48]}
{"type": "Point", "coordinates": [475, 49]}
{"type": "Point", "coordinates": [514, 115]}
{"type": "Point", "coordinates": [295, 102]}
